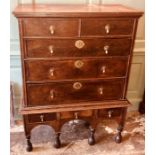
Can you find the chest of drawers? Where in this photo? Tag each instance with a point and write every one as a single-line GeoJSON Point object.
{"type": "Point", "coordinates": [75, 65]}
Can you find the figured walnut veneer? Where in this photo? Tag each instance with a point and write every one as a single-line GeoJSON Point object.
{"type": "Point", "coordinates": [75, 64]}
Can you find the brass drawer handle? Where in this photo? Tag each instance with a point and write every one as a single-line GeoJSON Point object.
{"type": "Point", "coordinates": [77, 85]}
{"type": "Point", "coordinates": [110, 113]}
{"type": "Point", "coordinates": [51, 29]}
{"type": "Point", "coordinates": [52, 94]}
{"type": "Point", "coordinates": [103, 69]}
{"type": "Point", "coordinates": [51, 49]}
{"type": "Point", "coordinates": [78, 63]}
{"type": "Point", "coordinates": [76, 115]}
{"type": "Point", "coordinates": [106, 49]}
{"type": "Point", "coordinates": [79, 44]}
{"type": "Point", "coordinates": [42, 118]}
{"type": "Point", "coordinates": [51, 71]}
{"type": "Point", "coordinates": [101, 91]}
{"type": "Point", "coordinates": [107, 28]}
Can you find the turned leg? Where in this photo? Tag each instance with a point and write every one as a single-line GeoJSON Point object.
{"type": "Point", "coordinates": [91, 138]}
{"type": "Point", "coordinates": [118, 136]}
{"type": "Point", "coordinates": [91, 131]}
{"type": "Point", "coordinates": [91, 128]}
{"type": "Point", "coordinates": [57, 142]}
{"type": "Point", "coordinates": [29, 147]}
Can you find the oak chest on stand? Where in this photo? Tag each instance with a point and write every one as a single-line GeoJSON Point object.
{"type": "Point", "coordinates": [75, 65]}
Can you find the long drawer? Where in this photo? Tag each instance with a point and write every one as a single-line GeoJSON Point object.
{"type": "Point", "coordinates": [45, 48]}
{"type": "Point", "coordinates": [70, 92]}
{"type": "Point", "coordinates": [38, 70]}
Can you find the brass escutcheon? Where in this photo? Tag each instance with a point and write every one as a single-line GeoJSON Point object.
{"type": "Point", "coordinates": [78, 63]}
{"type": "Point", "coordinates": [77, 85]}
{"type": "Point", "coordinates": [79, 44]}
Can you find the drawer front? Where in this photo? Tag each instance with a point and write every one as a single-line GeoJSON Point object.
{"type": "Point", "coordinates": [106, 27]}
{"type": "Point", "coordinates": [77, 114]}
{"type": "Point", "coordinates": [50, 27]}
{"type": "Point", "coordinates": [41, 118]}
{"type": "Point", "coordinates": [110, 113]}
{"type": "Point", "coordinates": [38, 70]}
{"type": "Point", "coordinates": [45, 48]}
{"type": "Point", "coordinates": [47, 117]}
{"type": "Point", "coordinates": [70, 92]}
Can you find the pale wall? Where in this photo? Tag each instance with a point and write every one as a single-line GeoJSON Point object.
{"type": "Point", "coordinates": [136, 82]}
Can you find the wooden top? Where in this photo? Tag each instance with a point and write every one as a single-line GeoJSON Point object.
{"type": "Point", "coordinates": [40, 10]}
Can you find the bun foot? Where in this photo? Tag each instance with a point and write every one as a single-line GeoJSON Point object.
{"type": "Point", "coordinates": [118, 138]}
{"type": "Point", "coordinates": [91, 139]}
{"type": "Point", "coordinates": [57, 143]}
{"type": "Point", "coordinates": [29, 147]}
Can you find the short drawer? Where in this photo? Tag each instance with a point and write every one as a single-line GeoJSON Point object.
{"type": "Point", "coordinates": [50, 27]}
{"type": "Point", "coordinates": [110, 113]}
{"type": "Point", "coordinates": [77, 114]}
{"type": "Point", "coordinates": [71, 92]}
{"type": "Point", "coordinates": [47, 117]}
{"type": "Point", "coordinates": [38, 70]}
{"type": "Point", "coordinates": [51, 48]}
{"type": "Point", "coordinates": [106, 27]}
{"type": "Point", "coordinates": [41, 118]}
